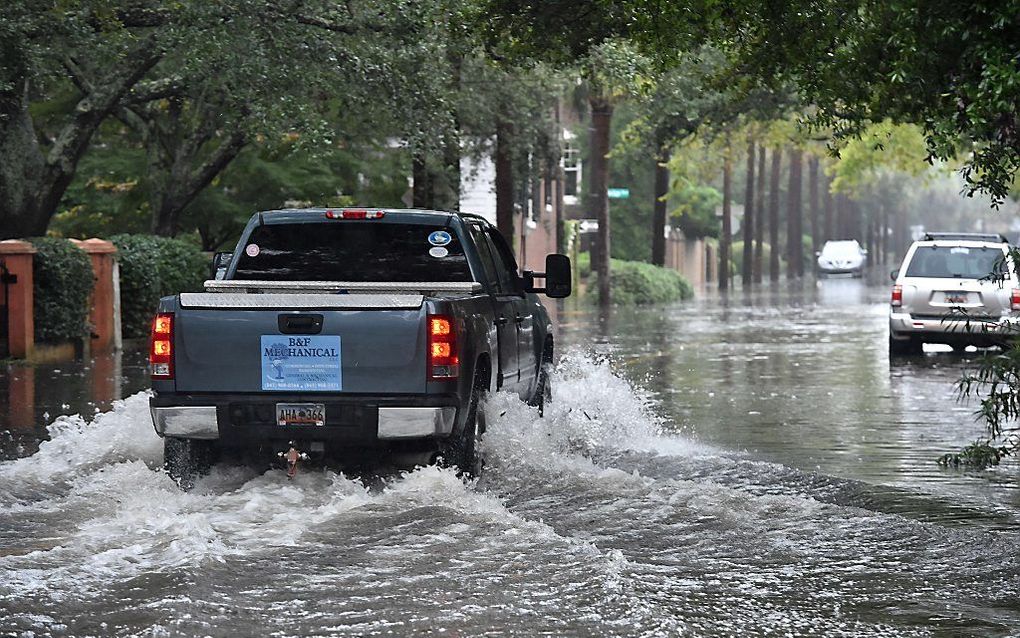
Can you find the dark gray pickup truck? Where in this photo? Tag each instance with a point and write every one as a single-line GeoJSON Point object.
{"type": "Point", "coordinates": [348, 333]}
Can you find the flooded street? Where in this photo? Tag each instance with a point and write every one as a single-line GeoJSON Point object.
{"type": "Point", "coordinates": [743, 466]}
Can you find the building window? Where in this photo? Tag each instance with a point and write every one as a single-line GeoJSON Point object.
{"type": "Point", "coordinates": [571, 167]}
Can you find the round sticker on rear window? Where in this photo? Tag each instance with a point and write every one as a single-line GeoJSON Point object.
{"type": "Point", "coordinates": [440, 238]}
{"type": "Point", "coordinates": [438, 251]}
{"type": "Point", "coordinates": [252, 250]}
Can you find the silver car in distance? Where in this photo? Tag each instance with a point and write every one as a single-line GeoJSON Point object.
{"type": "Point", "coordinates": [841, 257]}
{"type": "Point", "coordinates": [958, 289]}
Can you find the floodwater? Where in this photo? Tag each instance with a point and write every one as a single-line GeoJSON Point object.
{"type": "Point", "coordinates": [740, 466]}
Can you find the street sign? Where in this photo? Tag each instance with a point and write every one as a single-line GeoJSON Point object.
{"type": "Point", "coordinates": [619, 193]}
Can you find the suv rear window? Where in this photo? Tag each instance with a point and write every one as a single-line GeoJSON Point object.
{"type": "Point", "coordinates": [353, 251]}
{"type": "Point", "coordinates": [959, 262]}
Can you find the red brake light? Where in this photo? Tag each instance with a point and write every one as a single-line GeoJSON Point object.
{"type": "Point", "coordinates": [897, 296]}
{"type": "Point", "coordinates": [443, 361]}
{"type": "Point", "coordinates": [1014, 299]}
{"type": "Point", "coordinates": [161, 346]}
{"type": "Point", "coordinates": [355, 213]}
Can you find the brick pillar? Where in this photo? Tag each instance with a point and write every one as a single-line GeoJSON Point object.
{"type": "Point", "coordinates": [102, 316]}
{"type": "Point", "coordinates": [17, 256]}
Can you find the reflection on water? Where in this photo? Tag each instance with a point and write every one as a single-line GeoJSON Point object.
{"type": "Point", "coordinates": [800, 375]}
{"type": "Point", "coordinates": [31, 396]}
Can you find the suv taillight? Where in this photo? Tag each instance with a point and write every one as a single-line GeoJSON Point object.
{"type": "Point", "coordinates": [161, 346]}
{"type": "Point", "coordinates": [1014, 299]}
{"type": "Point", "coordinates": [443, 360]}
{"type": "Point", "coordinates": [897, 296]}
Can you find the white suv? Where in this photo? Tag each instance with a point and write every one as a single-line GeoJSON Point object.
{"type": "Point", "coordinates": [955, 288]}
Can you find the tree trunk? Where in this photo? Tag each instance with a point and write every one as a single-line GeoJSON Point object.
{"type": "Point", "coordinates": [448, 197]}
{"type": "Point", "coordinates": [794, 218]}
{"type": "Point", "coordinates": [759, 208]}
{"type": "Point", "coordinates": [421, 189]}
{"type": "Point", "coordinates": [181, 183]}
{"type": "Point", "coordinates": [727, 230]}
{"type": "Point", "coordinates": [602, 118]}
{"type": "Point", "coordinates": [827, 208]}
{"type": "Point", "coordinates": [22, 169]}
{"type": "Point", "coordinates": [813, 204]}
{"type": "Point", "coordinates": [747, 267]}
{"type": "Point", "coordinates": [883, 242]}
{"type": "Point", "coordinates": [659, 207]}
{"type": "Point", "coordinates": [777, 159]}
{"type": "Point", "coordinates": [34, 180]}
{"type": "Point", "coordinates": [504, 181]}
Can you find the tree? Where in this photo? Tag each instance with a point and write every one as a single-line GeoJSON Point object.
{"type": "Point", "coordinates": [726, 237]}
{"type": "Point", "coordinates": [777, 158]}
{"type": "Point", "coordinates": [794, 217]}
{"type": "Point", "coordinates": [198, 78]}
{"type": "Point", "coordinates": [613, 71]}
{"type": "Point", "coordinates": [750, 211]}
{"type": "Point", "coordinates": [948, 67]}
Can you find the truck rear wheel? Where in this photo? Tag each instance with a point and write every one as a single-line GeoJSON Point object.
{"type": "Point", "coordinates": [186, 460]}
{"type": "Point", "coordinates": [460, 451]}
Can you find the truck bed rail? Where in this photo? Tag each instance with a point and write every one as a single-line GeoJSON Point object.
{"type": "Point", "coordinates": [306, 301]}
{"type": "Point", "coordinates": [252, 286]}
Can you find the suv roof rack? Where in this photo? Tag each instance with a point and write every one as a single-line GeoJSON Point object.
{"type": "Point", "coordinates": [992, 237]}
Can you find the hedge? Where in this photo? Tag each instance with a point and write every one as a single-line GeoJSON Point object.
{"type": "Point", "coordinates": [638, 283]}
{"type": "Point", "coordinates": [63, 280]}
{"type": "Point", "coordinates": [152, 267]}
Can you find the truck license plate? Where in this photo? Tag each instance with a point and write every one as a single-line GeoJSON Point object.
{"type": "Point", "coordinates": [300, 414]}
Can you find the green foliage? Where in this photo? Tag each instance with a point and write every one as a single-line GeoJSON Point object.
{"type": "Point", "coordinates": [694, 211]}
{"type": "Point", "coordinates": [637, 283]}
{"type": "Point", "coordinates": [979, 455]}
{"type": "Point", "coordinates": [584, 264]}
{"type": "Point", "coordinates": [152, 267]}
{"type": "Point", "coordinates": [882, 148]}
{"type": "Point", "coordinates": [62, 282]}
{"type": "Point", "coordinates": [737, 255]}
{"type": "Point", "coordinates": [995, 384]}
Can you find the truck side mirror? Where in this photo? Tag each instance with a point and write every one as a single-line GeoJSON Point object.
{"type": "Point", "coordinates": [220, 263]}
{"type": "Point", "coordinates": [894, 274]}
{"type": "Point", "coordinates": [557, 277]}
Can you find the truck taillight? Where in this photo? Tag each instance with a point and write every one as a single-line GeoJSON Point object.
{"type": "Point", "coordinates": [443, 360]}
{"type": "Point", "coordinates": [897, 297]}
{"type": "Point", "coordinates": [353, 213]}
{"type": "Point", "coordinates": [161, 346]}
{"type": "Point", "coordinates": [1014, 299]}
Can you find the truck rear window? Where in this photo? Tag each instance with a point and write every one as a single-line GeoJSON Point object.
{"type": "Point", "coordinates": [959, 262]}
{"type": "Point", "coordinates": [353, 251]}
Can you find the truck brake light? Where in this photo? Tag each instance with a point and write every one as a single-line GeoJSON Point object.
{"type": "Point", "coordinates": [897, 297]}
{"type": "Point", "coordinates": [355, 213]}
{"type": "Point", "coordinates": [443, 359]}
{"type": "Point", "coordinates": [161, 346]}
{"type": "Point", "coordinates": [1014, 299]}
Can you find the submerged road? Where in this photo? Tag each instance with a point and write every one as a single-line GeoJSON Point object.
{"type": "Point", "coordinates": [748, 465]}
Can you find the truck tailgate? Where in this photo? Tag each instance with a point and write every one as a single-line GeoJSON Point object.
{"type": "Point", "coordinates": [237, 343]}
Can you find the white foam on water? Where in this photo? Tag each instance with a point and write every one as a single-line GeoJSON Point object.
{"type": "Point", "coordinates": [128, 518]}
{"type": "Point", "coordinates": [78, 447]}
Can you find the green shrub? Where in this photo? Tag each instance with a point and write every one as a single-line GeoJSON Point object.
{"type": "Point", "coordinates": [737, 256]}
{"type": "Point", "coordinates": [152, 267]}
{"type": "Point", "coordinates": [63, 280]}
{"type": "Point", "coordinates": [637, 283]}
{"type": "Point", "coordinates": [584, 264]}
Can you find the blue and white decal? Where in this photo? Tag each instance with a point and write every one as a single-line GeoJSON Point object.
{"type": "Point", "coordinates": [440, 238]}
{"type": "Point", "coordinates": [301, 363]}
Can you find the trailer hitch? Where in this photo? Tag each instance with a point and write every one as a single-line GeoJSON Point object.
{"type": "Point", "coordinates": [292, 456]}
